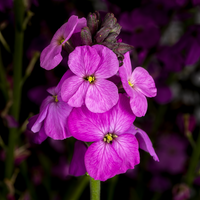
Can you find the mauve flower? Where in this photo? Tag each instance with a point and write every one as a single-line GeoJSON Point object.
{"type": "Point", "coordinates": [114, 151]}
{"type": "Point", "coordinates": [140, 28]}
{"type": "Point", "coordinates": [52, 119]}
{"type": "Point", "coordinates": [91, 67]}
{"type": "Point", "coordinates": [51, 55]}
{"type": "Point", "coordinates": [137, 84]}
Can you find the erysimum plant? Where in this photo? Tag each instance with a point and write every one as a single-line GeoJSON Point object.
{"type": "Point", "coordinates": [86, 103]}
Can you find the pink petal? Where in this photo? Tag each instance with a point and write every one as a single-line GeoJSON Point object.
{"type": "Point", "coordinates": [102, 161]}
{"type": "Point", "coordinates": [51, 56]}
{"type": "Point", "coordinates": [70, 87]}
{"type": "Point", "coordinates": [109, 64]}
{"type": "Point", "coordinates": [138, 104]}
{"type": "Point", "coordinates": [83, 61]}
{"type": "Point", "coordinates": [77, 165]}
{"type": "Point", "coordinates": [126, 146]}
{"type": "Point", "coordinates": [101, 96]}
{"type": "Point", "coordinates": [55, 123]}
{"type": "Point", "coordinates": [144, 141]}
{"type": "Point", "coordinates": [127, 64]}
{"type": "Point", "coordinates": [87, 126]}
{"type": "Point", "coordinates": [82, 22]}
{"type": "Point", "coordinates": [143, 82]}
{"type": "Point", "coordinates": [78, 99]}
{"type": "Point", "coordinates": [40, 136]}
{"type": "Point", "coordinates": [121, 116]}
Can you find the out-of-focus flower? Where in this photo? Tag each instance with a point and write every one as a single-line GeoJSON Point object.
{"type": "Point", "coordinates": [138, 84]}
{"type": "Point", "coordinates": [139, 27]}
{"type": "Point", "coordinates": [51, 55]}
{"type": "Point", "coordinates": [114, 150]}
{"type": "Point", "coordinates": [52, 119]}
{"type": "Point", "coordinates": [181, 192]}
{"type": "Point", "coordinates": [171, 152]}
{"type": "Point", "coordinates": [8, 4]}
{"type": "Point", "coordinates": [91, 67]}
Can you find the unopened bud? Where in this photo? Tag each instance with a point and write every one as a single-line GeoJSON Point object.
{"type": "Point", "coordinates": [116, 29]}
{"type": "Point", "coordinates": [109, 20]}
{"type": "Point", "coordinates": [86, 36]}
{"type": "Point", "coordinates": [111, 38]}
{"type": "Point", "coordinates": [123, 48]}
{"type": "Point", "coordinates": [93, 22]}
{"type": "Point", "coordinates": [102, 34]}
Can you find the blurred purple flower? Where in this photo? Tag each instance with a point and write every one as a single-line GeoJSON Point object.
{"type": "Point", "coordinates": [138, 85]}
{"type": "Point", "coordinates": [114, 151]}
{"type": "Point", "coordinates": [91, 67]}
{"type": "Point", "coordinates": [189, 45]}
{"type": "Point", "coordinates": [139, 27]}
{"type": "Point", "coordinates": [52, 119]}
{"type": "Point", "coordinates": [181, 192]}
{"type": "Point", "coordinates": [5, 4]}
{"type": "Point", "coordinates": [171, 149]}
{"type": "Point", "coordinates": [51, 55]}
{"type": "Point", "coordinates": [77, 165]}
{"type": "Point", "coordinates": [196, 2]}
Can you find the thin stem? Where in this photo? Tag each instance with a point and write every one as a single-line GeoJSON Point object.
{"type": "Point", "coordinates": [193, 163]}
{"type": "Point", "coordinates": [94, 189]}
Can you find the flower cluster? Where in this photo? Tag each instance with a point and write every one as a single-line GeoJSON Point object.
{"type": "Point", "coordinates": [97, 99]}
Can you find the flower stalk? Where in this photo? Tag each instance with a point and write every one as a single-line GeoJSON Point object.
{"type": "Point", "coordinates": [94, 189]}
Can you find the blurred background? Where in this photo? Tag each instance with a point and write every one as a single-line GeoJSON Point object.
{"type": "Point", "coordinates": [166, 39]}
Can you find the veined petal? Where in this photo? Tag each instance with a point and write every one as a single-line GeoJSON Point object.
{"type": "Point", "coordinates": [101, 96]}
{"type": "Point", "coordinates": [109, 64]}
{"type": "Point", "coordinates": [77, 165]}
{"type": "Point", "coordinates": [40, 136]}
{"type": "Point", "coordinates": [101, 161]}
{"type": "Point", "coordinates": [83, 61]}
{"type": "Point", "coordinates": [127, 64]}
{"type": "Point", "coordinates": [144, 141]}
{"type": "Point", "coordinates": [55, 124]}
{"type": "Point", "coordinates": [51, 56]}
{"type": "Point", "coordinates": [87, 126]}
{"type": "Point", "coordinates": [82, 22]}
{"type": "Point", "coordinates": [78, 99]}
{"type": "Point", "coordinates": [121, 116]}
{"type": "Point", "coordinates": [126, 146]}
{"type": "Point", "coordinates": [143, 82]}
{"type": "Point", "coordinates": [138, 104]}
{"type": "Point", "coordinates": [70, 87]}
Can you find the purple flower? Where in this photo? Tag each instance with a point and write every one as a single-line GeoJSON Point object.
{"type": "Point", "coordinates": [52, 119]}
{"type": "Point", "coordinates": [137, 84]}
{"type": "Point", "coordinates": [51, 55]}
{"type": "Point", "coordinates": [114, 151]}
{"type": "Point", "coordinates": [91, 67]}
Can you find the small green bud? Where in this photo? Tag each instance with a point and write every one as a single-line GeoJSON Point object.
{"type": "Point", "coordinates": [102, 34]}
{"type": "Point", "coordinates": [86, 36]}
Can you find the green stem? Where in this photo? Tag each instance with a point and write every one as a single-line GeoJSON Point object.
{"type": "Point", "coordinates": [19, 11]}
{"type": "Point", "coordinates": [94, 189]}
{"type": "Point", "coordinates": [193, 163]}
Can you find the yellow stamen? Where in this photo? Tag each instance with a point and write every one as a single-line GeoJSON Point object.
{"type": "Point", "coordinates": [62, 41]}
{"type": "Point", "coordinates": [56, 98]}
{"type": "Point", "coordinates": [109, 137]}
{"type": "Point", "coordinates": [130, 83]}
{"type": "Point", "coordinates": [90, 79]}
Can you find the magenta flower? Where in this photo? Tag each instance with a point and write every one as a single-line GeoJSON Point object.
{"type": "Point", "coordinates": [137, 84]}
{"type": "Point", "coordinates": [51, 55]}
{"type": "Point", "coordinates": [52, 119]}
{"type": "Point", "coordinates": [114, 151]}
{"type": "Point", "coordinates": [91, 67]}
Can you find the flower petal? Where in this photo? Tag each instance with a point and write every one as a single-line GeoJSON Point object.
{"type": "Point", "coordinates": [51, 56]}
{"type": "Point", "coordinates": [109, 64]}
{"type": "Point", "coordinates": [143, 82]}
{"type": "Point", "coordinates": [102, 161]}
{"type": "Point", "coordinates": [78, 99]}
{"type": "Point", "coordinates": [138, 104]}
{"type": "Point", "coordinates": [70, 87]}
{"type": "Point", "coordinates": [126, 146]}
{"type": "Point", "coordinates": [77, 165]}
{"type": "Point", "coordinates": [83, 61]}
{"type": "Point", "coordinates": [40, 136]}
{"type": "Point", "coordinates": [55, 124]}
{"type": "Point", "coordinates": [87, 126]}
{"type": "Point", "coordinates": [144, 141]}
{"type": "Point", "coordinates": [121, 116]}
{"type": "Point", "coordinates": [127, 64]}
{"type": "Point", "coordinates": [101, 96]}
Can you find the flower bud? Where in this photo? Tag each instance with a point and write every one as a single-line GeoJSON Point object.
{"type": "Point", "coordinates": [123, 48]}
{"type": "Point", "coordinates": [86, 36]}
{"type": "Point", "coordinates": [109, 20]}
{"type": "Point", "coordinates": [116, 29]}
{"type": "Point", "coordinates": [93, 22]}
{"type": "Point", "coordinates": [111, 38]}
{"type": "Point", "coordinates": [102, 34]}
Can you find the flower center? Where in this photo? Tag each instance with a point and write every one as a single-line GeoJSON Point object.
{"type": "Point", "coordinates": [109, 137]}
{"type": "Point", "coordinates": [91, 79]}
{"type": "Point", "coordinates": [130, 84]}
{"type": "Point", "coordinates": [61, 40]}
{"type": "Point", "coordinates": [55, 98]}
